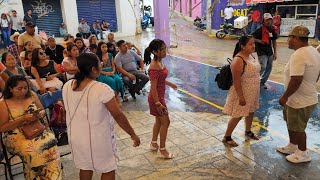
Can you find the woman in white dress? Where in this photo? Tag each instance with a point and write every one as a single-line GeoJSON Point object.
{"type": "Point", "coordinates": [91, 109]}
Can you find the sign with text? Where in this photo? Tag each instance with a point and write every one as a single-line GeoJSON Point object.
{"type": "Point", "coordinates": [288, 24]}
{"type": "Point", "coordinates": [237, 12]}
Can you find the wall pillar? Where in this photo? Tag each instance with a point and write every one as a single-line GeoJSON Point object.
{"type": "Point", "coordinates": [209, 16]}
{"type": "Point", "coordinates": [161, 20]}
{"type": "Point", "coordinates": [70, 15]}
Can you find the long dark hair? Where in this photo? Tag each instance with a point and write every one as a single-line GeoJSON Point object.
{"type": "Point", "coordinates": [99, 52]}
{"type": "Point", "coordinates": [83, 45]}
{"type": "Point", "coordinates": [27, 54]}
{"type": "Point", "coordinates": [154, 45]}
{"type": "Point", "coordinates": [242, 42]}
{"type": "Point", "coordinates": [4, 57]}
{"type": "Point", "coordinates": [11, 83]}
{"type": "Point", "coordinates": [85, 63]}
{"type": "Point", "coordinates": [70, 46]}
{"type": "Point", "coordinates": [113, 52]}
{"type": "Point", "coordinates": [35, 57]}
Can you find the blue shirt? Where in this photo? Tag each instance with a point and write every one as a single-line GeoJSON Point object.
{"type": "Point", "coordinates": [32, 19]}
{"type": "Point", "coordinates": [127, 60]}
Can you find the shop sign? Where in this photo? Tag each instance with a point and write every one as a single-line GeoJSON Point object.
{"type": "Point", "coordinates": [288, 24]}
{"type": "Point", "coordinates": [237, 12]}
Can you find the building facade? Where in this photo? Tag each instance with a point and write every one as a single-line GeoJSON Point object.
{"type": "Point", "coordinates": [189, 8]}
{"type": "Point", "coordinates": [122, 15]}
{"type": "Point", "coordinates": [292, 12]}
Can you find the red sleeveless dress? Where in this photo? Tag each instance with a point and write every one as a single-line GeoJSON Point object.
{"type": "Point", "coordinates": [161, 76]}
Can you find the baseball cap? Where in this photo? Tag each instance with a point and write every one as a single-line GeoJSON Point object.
{"type": "Point", "coordinates": [300, 31]}
{"type": "Point", "coordinates": [267, 16]}
{"type": "Point", "coordinates": [30, 24]}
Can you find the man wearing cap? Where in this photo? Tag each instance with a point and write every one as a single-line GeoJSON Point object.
{"type": "Point", "coordinates": [30, 35]}
{"type": "Point", "coordinates": [54, 51]}
{"type": "Point", "coordinates": [13, 48]}
{"type": "Point", "coordinates": [84, 29]}
{"type": "Point", "coordinates": [300, 96]}
{"type": "Point", "coordinates": [266, 47]}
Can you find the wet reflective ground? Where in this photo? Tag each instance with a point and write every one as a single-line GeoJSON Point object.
{"type": "Point", "coordinates": [197, 124]}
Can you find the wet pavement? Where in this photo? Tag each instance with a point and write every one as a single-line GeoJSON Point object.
{"type": "Point", "coordinates": [198, 125]}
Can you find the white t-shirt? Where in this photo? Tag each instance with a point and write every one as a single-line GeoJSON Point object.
{"type": "Point", "coordinates": [228, 12]}
{"type": "Point", "coordinates": [304, 62]}
{"type": "Point", "coordinates": [4, 23]}
{"type": "Point", "coordinates": [15, 21]}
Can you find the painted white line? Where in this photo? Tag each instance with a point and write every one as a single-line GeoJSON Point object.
{"type": "Point", "coordinates": [213, 66]}
{"type": "Point", "coordinates": [216, 67]}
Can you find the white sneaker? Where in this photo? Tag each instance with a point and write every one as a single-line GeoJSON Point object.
{"type": "Point", "coordinates": [288, 149]}
{"type": "Point", "coordinates": [299, 157]}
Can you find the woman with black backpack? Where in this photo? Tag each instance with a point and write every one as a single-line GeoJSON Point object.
{"type": "Point", "coordinates": [243, 96]}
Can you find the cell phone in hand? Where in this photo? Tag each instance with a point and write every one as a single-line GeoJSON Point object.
{"type": "Point", "coordinates": [36, 112]}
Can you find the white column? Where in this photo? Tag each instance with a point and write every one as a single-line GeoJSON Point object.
{"type": "Point", "coordinates": [125, 17]}
{"type": "Point", "coordinates": [17, 5]}
{"type": "Point", "coordinates": [70, 15]}
{"type": "Point", "coordinates": [209, 17]}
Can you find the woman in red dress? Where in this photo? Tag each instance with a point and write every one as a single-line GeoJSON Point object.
{"type": "Point", "coordinates": [157, 104]}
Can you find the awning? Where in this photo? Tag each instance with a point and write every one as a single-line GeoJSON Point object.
{"type": "Point", "coordinates": [264, 1]}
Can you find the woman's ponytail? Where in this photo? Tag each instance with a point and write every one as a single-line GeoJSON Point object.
{"type": "Point", "coordinates": [147, 56]}
{"type": "Point", "coordinates": [79, 77]}
{"type": "Point", "coordinates": [237, 49]}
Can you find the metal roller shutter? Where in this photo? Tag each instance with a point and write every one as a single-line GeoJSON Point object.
{"type": "Point", "coordinates": [100, 10]}
{"type": "Point", "coordinates": [50, 23]}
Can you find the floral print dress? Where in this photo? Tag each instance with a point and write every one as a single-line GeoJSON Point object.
{"type": "Point", "coordinates": [40, 155]}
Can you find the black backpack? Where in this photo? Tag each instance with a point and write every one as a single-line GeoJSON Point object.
{"type": "Point", "coordinates": [224, 77]}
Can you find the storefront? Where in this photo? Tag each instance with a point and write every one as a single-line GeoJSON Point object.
{"type": "Point", "coordinates": [239, 6]}
{"type": "Point", "coordinates": [93, 10]}
{"type": "Point", "coordinates": [292, 13]}
{"type": "Point", "coordinates": [51, 22]}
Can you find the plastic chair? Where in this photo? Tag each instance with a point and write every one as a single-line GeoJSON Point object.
{"type": "Point", "coordinates": [8, 170]}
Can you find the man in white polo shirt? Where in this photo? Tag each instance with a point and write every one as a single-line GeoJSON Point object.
{"type": "Point", "coordinates": [300, 96]}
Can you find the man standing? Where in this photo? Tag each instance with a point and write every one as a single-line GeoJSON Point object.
{"type": "Point", "coordinates": [132, 75]}
{"type": "Point", "coordinates": [17, 23]}
{"type": "Point", "coordinates": [33, 18]}
{"type": "Point", "coordinates": [54, 51]}
{"type": "Point", "coordinates": [266, 47]}
{"type": "Point", "coordinates": [300, 96]}
{"type": "Point", "coordinates": [228, 14]}
{"type": "Point", "coordinates": [30, 35]}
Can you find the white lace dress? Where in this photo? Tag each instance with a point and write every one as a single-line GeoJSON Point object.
{"type": "Point", "coordinates": [90, 127]}
{"type": "Point", "coordinates": [250, 83]}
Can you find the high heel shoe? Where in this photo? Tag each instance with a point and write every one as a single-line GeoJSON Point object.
{"type": "Point", "coordinates": [170, 156]}
{"type": "Point", "coordinates": [153, 148]}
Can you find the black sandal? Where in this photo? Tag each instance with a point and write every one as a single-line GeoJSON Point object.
{"type": "Point", "coordinates": [229, 141]}
{"type": "Point", "coordinates": [252, 135]}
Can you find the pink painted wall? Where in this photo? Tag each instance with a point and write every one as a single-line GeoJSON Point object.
{"type": "Point", "coordinates": [185, 7]}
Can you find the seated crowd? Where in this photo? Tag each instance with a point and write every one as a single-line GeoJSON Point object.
{"type": "Point", "coordinates": [32, 68]}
